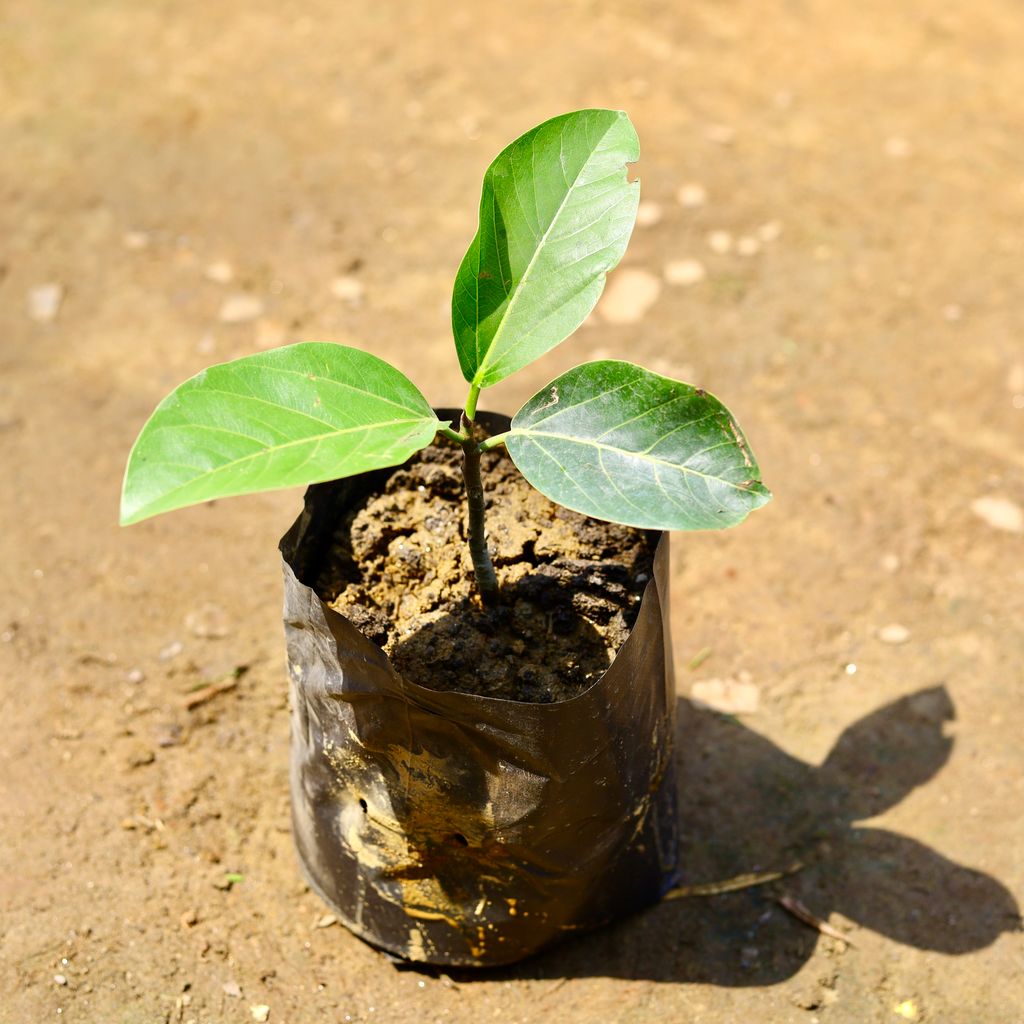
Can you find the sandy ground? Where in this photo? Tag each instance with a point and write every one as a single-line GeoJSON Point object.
{"type": "Point", "coordinates": [872, 346]}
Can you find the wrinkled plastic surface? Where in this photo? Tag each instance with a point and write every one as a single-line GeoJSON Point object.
{"type": "Point", "coordinates": [456, 829]}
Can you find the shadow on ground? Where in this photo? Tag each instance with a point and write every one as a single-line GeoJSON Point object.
{"type": "Point", "coordinates": [747, 805]}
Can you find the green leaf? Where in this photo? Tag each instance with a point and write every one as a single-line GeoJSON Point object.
{"type": "Point", "coordinates": [617, 442]}
{"type": "Point", "coordinates": [555, 216]}
{"type": "Point", "coordinates": [292, 416]}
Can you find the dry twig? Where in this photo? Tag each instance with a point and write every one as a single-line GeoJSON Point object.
{"type": "Point", "coordinates": [747, 881]}
{"type": "Point", "coordinates": [801, 913]}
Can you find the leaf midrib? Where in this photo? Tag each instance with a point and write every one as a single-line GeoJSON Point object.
{"type": "Point", "coordinates": [654, 461]}
{"type": "Point", "coordinates": [269, 449]}
{"type": "Point", "coordinates": [485, 364]}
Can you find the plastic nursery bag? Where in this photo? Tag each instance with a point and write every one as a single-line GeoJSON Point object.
{"type": "Point", "coordinates": [452, 828]}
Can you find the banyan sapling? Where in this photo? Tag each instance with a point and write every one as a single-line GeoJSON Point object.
{"type": "Point", "coordinates": [607, 438]}
{"type": "Point", "coordinates": [451, 827]}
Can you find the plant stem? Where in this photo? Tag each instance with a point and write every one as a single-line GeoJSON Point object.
{"type": "Point", "coordinates": [483, 568]}
{"type": "Point", "coordinates": [452, 435]}
{"type": "Point", "coordinates": [471, 398]}
{"type": "Point", "coordinates": [494, 442]}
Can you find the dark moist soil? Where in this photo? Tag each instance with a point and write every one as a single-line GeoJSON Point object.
{"type": "Point", "coordinates": [400, 569]}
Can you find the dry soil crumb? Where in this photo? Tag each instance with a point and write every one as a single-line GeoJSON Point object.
{"type": "Point", "coordinates": [400, 570]}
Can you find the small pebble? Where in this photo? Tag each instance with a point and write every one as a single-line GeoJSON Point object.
{"type": "Point", "coordinates": [732, 696]}
{"type": "Point", "coordinates": [720, 242]}
{"type": "Point", "coordinates": [171, 650]}
{"type": "Point", "coordinates": [59, 979]}
{"type": "Point", "coordinates": [685, 272]}
{"type": "Point", "coordinates": [136, 676]}
{"type": "Point", "coordinates": [220, 272]}
{"type": "Point", "coordinates": [629, 295]}
{"type": "Point", "coordinates": [44, 302]}
{"type": "Point", "coordinates": [260, 1014]}
{"type": "Point", "coordinates": [135, 241]}
{"type": "Point", "coordinates": [894, 634]}
{"type": "Point", "coordinates": [720, 134]}
{"type": "Point", "coordinates": [692, 194]}
{"type": "Point", "coordinates": [240, 309]}
{"type": "Point", "coordinates": [897, 147]}
{"type": "Point", "coordinates": [209, 621]}
{"type": "Point", "coordinates": [769, 231]}
{"type": "Point", "coordinates": [748, 245]}
{"type": "Point", "coordinates": [648, 214]}
{"type": "Point", "coordinates": [999, 513]}
{"type": "Point", "coordinates": [349, 289]}
{"type": "Point", "coordinates": [269, 334]}
{"type": "Point", "coordinates": [326, 921]}
{"type": "Point", "coordinates": [232, 989]}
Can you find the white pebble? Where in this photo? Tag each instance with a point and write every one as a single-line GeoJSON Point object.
{"type": "Point", "coordinates": [208, 621]}
{"type": "Point", "coordinates": [897, 147]}
{"type": "Point", "coordinates": [748, 246]}
{"type": "Point", "coordinates": [731, 696]}
{"type": "Point", "coordinates": [232, 989]}
{"type": "Point", "coordinates": [692, 194]}
{"type": "Point", "coordinates": [135, 241]}
{"type": "Point", "coordinates": [270, 334]}
{"type": "Point", "coordinates": [349, 289]}
{"type": "Point", "coordinates": [171, 650]}
{"type": "Point", "coordinates": [629, 295]}
{"type": "Point", "coordinates": [720, 134]}
{"type": "Point", "coordinates": [260, 1014]}
{"type": "Point", "coordinates": [720, 242]}
{"type": "Point", "coordinates": [44, 302]}
{"type": "Point", "coordinates": [894, 633]}
{"type": "Point", "coordinates": [648, 214]}
{"type": "Point", "coordinates": [769, 231]}
{"type": "Point", "coordinates": [239, 309]}
{"type": "Point", "coordinates": [220, 272]}
{"type": "Point", "coordinates": [685, 272]}
{"type": "Point", "coordinates": [999, 513]}
{"type": "Point", "coordinates": [891, 563]}
{"type": "Point", "coordinates": [59, 979]}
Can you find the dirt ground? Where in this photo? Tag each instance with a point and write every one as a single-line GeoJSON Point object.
{"type": "Point", "coordinates": [859, 232]}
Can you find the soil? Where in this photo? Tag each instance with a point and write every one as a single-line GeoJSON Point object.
{"type": "Point", "coordinates": [570, 586]}
{"type": "Point", "coordinates": [840, 184]}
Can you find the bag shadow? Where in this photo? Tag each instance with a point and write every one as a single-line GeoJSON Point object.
{"type": "Point", "coordinates": [746, 805]}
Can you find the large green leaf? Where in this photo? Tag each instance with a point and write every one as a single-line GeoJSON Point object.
{"type": "Point", "coordinates": [555, 216]}
{"type": "Point", "coordinates": [615, 441]}
{"type": "Point", "coordinates": [293, 416]}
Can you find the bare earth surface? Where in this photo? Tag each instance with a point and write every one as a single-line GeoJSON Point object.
{"type": "Point", "coordinates": [835, 250]}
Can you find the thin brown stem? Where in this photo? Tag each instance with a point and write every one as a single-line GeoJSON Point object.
{"type": "Point", "coordinates": [483, 568]}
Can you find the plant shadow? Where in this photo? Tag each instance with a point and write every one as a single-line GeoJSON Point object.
{"type": "Point", "coordinates": [746, 805]}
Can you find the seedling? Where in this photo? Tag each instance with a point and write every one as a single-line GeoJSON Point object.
{"type": "Point", "coordinates": [608, 438]}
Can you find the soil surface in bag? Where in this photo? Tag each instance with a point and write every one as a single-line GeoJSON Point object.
{"type": "Point", "coordinates": [399, 568]}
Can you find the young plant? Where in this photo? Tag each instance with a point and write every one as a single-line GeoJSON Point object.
{"type": "Point", "coordinates": [608, 438]}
